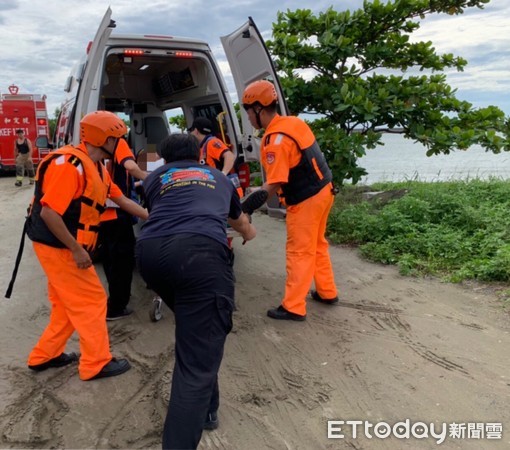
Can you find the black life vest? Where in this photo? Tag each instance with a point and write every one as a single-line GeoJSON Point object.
{"type": "Point", "coordinates": [312, 172]}
{"type": "Point", "coordinates": [82, 217]}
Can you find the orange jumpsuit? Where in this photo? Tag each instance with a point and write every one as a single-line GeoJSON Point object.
{"type": "Point", "coordinates": [77, 297]}
{"type": "Point", "coordinates": [122, 154]}
{"type": "Point", "coordinates": [307, 255]}
{"type": "Point", "coordinates": [211, 152]}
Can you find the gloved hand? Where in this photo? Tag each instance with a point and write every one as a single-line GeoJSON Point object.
{"type": "Point", "coordinates": [254, 201]}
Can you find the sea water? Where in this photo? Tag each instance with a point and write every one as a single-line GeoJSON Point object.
{"type": "Point", "coordinates": [402, 159]}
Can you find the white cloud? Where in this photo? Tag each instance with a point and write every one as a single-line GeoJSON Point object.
{"type": "Point", "coordinates": [482, 37]}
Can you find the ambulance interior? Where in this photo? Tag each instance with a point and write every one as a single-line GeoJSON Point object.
{"type": "Point", "coordinates": [151, 85]}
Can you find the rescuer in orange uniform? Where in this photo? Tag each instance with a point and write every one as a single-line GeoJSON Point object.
{"type": "Point", "coordinates": [117, 236]}
{"type": "Point", "coordinates": [214, 152]}
{"type": "Point", "coordinates": [70, 194]}
{"type": "Point", "coordinates": [297, 171]}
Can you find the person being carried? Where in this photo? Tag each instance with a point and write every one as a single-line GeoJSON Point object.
{"type": "Point", "coordinates": [116, 234]}
{"type": "Point", "coordinates": [183, 255]}
{"type": "Point", "coordinates": [70, 194]}
{"type": "Point", "coordinates": [23, 155]}
{"type": "Point", "coordinates": [214, 152]}
{"type": "Point", "coordinates": [297, 171]}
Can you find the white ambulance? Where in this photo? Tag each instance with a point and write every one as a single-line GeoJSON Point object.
{"type": "Point", "coordinates": [149, 78]}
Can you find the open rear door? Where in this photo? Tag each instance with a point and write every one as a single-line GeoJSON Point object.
{"type": "Point", "coordinates": [249, 61]}
{"type": "Point", "coordinates": [90, 73]}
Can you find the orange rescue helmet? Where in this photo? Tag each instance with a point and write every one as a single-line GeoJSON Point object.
{"type": "Point", "coordinates": [96, 127]}
{"type": "Point", "coordinates": [261, 91]}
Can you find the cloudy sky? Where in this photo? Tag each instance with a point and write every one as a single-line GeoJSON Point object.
{"type": "Point", "coordinates": [41, 39]}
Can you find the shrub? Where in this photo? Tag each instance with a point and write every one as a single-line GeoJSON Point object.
{"type": "Point", "coordinates": [455, 229]}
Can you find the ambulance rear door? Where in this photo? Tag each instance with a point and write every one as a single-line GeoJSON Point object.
{"type": "Point", "coordinates": [249, 61]}
{"type": "Point", "coordinates": [90, 77]}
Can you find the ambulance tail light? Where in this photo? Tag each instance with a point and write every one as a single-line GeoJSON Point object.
{"type": "Point", "coordinates": [244, 175]}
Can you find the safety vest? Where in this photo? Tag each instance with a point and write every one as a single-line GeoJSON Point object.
{"type": "Point", "coordinates": [82, 217]}
{"type": "Point", "coordinates": [232, 176]}
{"type": "Point", "coordinates": [204, 157]}
{"type": "Point", "coordinates": [312, 172]}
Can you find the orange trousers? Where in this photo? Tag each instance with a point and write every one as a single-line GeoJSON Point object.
{"type": "Point", "coordinates": [78, 302]}
{"type": "Point", "coordinates": [307, 251]}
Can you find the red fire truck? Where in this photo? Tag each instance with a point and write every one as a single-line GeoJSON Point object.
{"type": "Point", "coordinates": [22, 111]}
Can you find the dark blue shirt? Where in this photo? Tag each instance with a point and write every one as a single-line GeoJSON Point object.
{"type": "Point", "coordinates": [186, 197]}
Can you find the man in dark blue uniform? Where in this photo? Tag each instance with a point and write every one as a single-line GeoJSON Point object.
{"type": "Point", "coordinates": [183, 255]}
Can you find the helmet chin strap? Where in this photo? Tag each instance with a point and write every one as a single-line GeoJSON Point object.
{"type": "Point", "coordinates": [106, 151]}
{"type": "Point", "coordinates": [257, 116]}
{"type": "Point", "coordinates": [111, 154]}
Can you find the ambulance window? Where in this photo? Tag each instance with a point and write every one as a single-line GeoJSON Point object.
{"type": "Point", "coordinates": [209, 111]}
{"type": "Point", "coordinates": [216, 114]}
{"type": "Point", "coordinates": [176, 119]}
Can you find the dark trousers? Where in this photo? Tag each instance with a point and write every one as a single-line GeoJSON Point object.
{"type": "Point", "coordinates": [118, 251]}
{"type": "Point", "coordinates": [193, 275]}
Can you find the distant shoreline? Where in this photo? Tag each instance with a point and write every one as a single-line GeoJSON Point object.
{"type": "Point", "coordinates": [401, 159]}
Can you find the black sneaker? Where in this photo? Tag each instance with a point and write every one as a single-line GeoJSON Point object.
{"type": "Point", "coordinates": [18, 183]}
{"type": "Point", "coordinates": [113, 368]}
{"type": "Point", "coordinates": [281, 313]}
{"type": "Point", "coordinates": [60, 361]}
{"type": "Point", "coordinates": [326, 301]}
{"type": "Point", "coordinates": [120, 315]}
{"type": "Point", "coordinates": [211, 423]}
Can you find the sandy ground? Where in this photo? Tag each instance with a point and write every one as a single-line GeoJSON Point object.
{"type": "Point", "coordinates": [395, 348]}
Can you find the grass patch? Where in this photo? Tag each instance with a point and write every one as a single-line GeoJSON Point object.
{"type": "Point", "coordinates": [456, 229]}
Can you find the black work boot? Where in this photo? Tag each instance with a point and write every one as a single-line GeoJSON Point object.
{"type": "Point", "coordinates": [281, 313]}
{"type": "Point", "coordinates": [112, 369]}
{"type": "Point", "coordinates": [60, 361]}
{"type": "Point", "coordinates": [326, 301]}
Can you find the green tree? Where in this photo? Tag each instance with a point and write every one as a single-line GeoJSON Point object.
{"type": "Point", "coordinates": [52, 122]}
{"type": "Point", "coordinates": [365, 81]}
{"type": "Point", "coordinates": [178, 121]}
